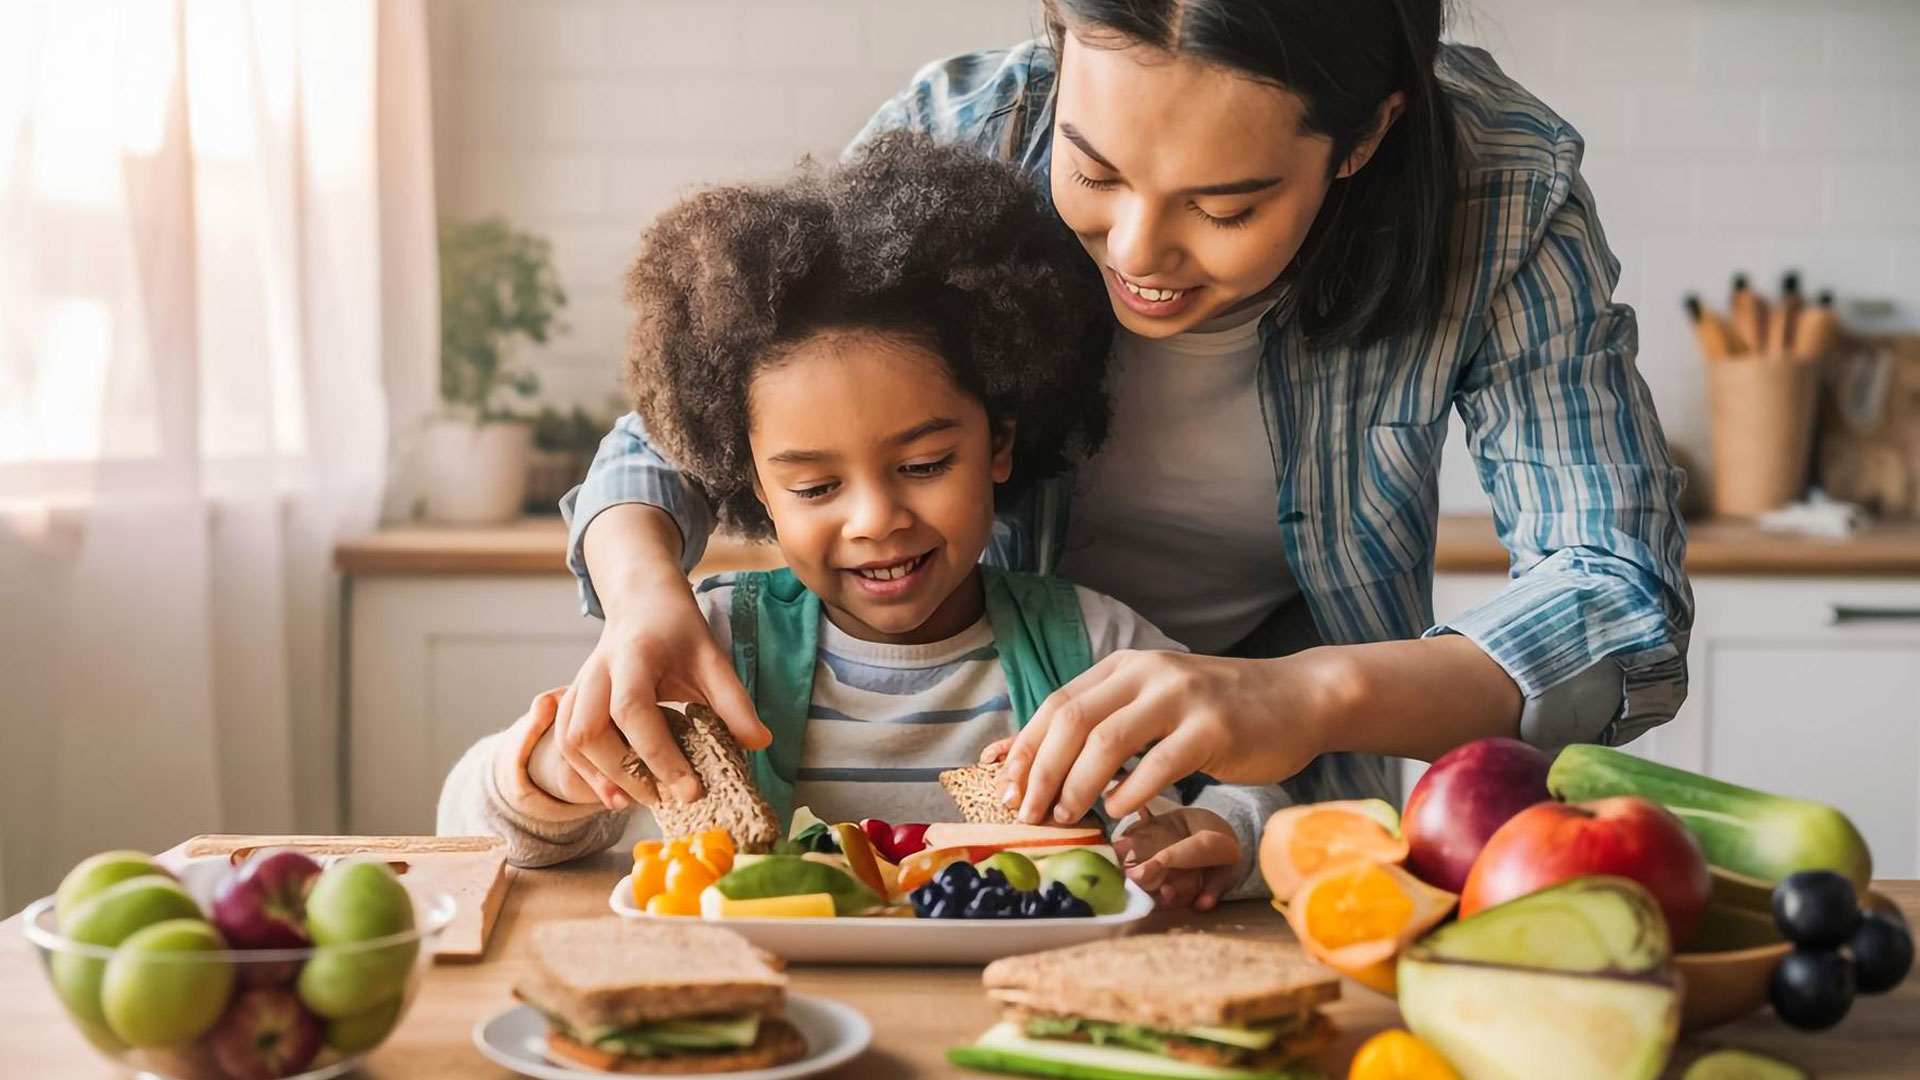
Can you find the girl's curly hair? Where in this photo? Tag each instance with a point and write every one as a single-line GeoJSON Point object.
{"type": "Point", "coordinates": [908, 237]}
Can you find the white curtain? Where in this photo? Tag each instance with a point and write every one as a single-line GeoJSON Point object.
{"type": "Point", "coordinates": [217, 270]}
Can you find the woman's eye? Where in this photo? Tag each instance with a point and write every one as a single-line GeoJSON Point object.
{"type": "Point", "coordinates": [928, 468]}
{"type": "Point", "coordinates": [817, 491]}
{"type": "Point", "coordinates": [1087, 181]}
{"type": "Point", "coordinates": [1233, 221]}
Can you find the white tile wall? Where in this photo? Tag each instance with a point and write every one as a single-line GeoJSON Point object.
{"type": "Point", "coordinates": [1722, 134]}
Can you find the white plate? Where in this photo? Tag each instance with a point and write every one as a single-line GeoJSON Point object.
{"type": "Point", "coordinates": [835, 1034]}
{"type": "Point", "coordinates": [910, 941]}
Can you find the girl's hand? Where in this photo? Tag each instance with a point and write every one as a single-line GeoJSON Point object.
{"type": "Point", "coordinates": [1183, 857]}
{"type": "Point", "coordinates": [655, 647]}
{"type": "Point", "coordinates": [1239, 721]}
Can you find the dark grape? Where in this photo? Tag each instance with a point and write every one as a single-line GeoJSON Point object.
{"type": "Point", "coordinates": [1882, 952]}
{"type": "Point", "coordinates": [1812, 989]}
{"type": "Point", "coordinates": [1815, 908]}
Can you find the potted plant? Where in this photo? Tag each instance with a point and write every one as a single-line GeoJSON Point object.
{"type": "Point", "coordinates": [497, 286]}
{"type": "Point", "coordinates": [563, 449]}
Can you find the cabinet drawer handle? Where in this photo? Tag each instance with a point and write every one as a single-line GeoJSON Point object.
{"type": "Point", "coordinates": [1849, 613]}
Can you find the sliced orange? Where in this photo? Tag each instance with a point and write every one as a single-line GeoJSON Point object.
{"type": "Point", "coordinates": [1357, 916]}
{"type": "Point", "coordinates": [1300, 840]}
{"type": "Point", "coordinates": [1397, 1054]}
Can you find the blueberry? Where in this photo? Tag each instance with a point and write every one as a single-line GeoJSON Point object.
{"type": "Point", "coordinates": [984, 905]}
{"type": "Point", "coordinates": [1815, 908]}
{"type": "Point", "coordinates": [943, 908]}
{"type": "Point", "coordinates": [1058, 892]}
{"type": "Point", "coordinates": [1812, 989]}
{"type": "Point", "coordinates": [993, 877]}
{"type": "Point", "coordinates": [1882, 952]}
{"type": "Point", "coordinates": [924, 896]}
{"type": "Point", "coordinates": [1032, 905]}
{"type": "Point", "coordinates": [1076, 908]}
{"type": "Point", "coordinates": [959, 875]}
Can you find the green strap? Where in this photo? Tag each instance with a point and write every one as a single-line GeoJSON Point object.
{"type": "Point", "coordinates": [776, 638]}
{"type": "Point", "coordinates": [1040, 635]}
{"type": "Point", "coordinates": [1037, 626]}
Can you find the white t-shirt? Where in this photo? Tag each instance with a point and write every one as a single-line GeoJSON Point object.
{"type": "Point", "coordinates": [1178, 512]}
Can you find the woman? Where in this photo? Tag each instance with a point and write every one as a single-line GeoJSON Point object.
{"type": "Point", "coordinates": [1319, 228]}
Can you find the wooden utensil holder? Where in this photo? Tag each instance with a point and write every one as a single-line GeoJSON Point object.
{"type": "Point", "coordinates": [1762, 418]}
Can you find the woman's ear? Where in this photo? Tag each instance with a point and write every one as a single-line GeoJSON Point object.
{"type": "Point", "coordinates": [1003, 453]}
{"type": "Point", "coordinates": [1383, 120]}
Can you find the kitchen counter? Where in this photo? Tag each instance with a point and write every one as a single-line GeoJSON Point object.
{"type": "Point", "coordinates": [1466, 544]}
{"type": "Point", "coordinates": [917, 1012]}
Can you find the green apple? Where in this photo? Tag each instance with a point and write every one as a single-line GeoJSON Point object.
{"type": "Point", "coordinates": [108, 918]}
{"type": "Point", "coordinates": [357, 901]}
{"type": "Point", "coordinates": [364, 1030]}
{"type": "Point", "coordinates": [342, 981]}
{"type": "Point", "coordinates": [93, 875]}
{"type": "Point", "coordinates": [1020, 871]}
{"type": "Point", "coordinates": [156, 995]}
{"type": "Point", "coordinates": [1088, 876]}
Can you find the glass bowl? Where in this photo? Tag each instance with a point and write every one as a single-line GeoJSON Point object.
{"type": "Point", "coordinates": [237, 1014]}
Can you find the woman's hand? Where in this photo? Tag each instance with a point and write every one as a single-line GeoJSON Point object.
{"type": "Point", "coordinates": [655, 647]}
{"type": "Point", "coordinates": [1185, 857]}
{"type": "Point", "coordinates": [1239, 721]}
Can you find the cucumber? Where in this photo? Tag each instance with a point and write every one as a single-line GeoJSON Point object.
{"type": "Point", "coordinates": [1006, 1049]}
{"type": "Point", "coordinates": [1742, 831]}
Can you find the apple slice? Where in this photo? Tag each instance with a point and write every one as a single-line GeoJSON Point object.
{"type": "Point", "coordinates": [1575, 981]}
{"type": "Point", "coordinates": [861, 860]}
{"type": "Point", "coordinates": [951, 834]}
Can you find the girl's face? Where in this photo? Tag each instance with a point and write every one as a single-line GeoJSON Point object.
{"type": "Point", "coordinates": [1192, 186]}
{"type": "Point", "coordinates": [878, 473]}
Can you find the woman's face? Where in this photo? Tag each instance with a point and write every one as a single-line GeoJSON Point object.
{"type": "Point", "coordinates": [1192, 186]}
{"type": "Point", "coordinates": [878, 473]}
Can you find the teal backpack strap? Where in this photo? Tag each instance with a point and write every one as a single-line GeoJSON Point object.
{"type": "Point", "coordinates": [776, 637]}
{"type": "Point", "coordinates": [1039, 632]}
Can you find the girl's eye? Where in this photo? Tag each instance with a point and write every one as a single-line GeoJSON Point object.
{"type": "Point", "coordinates": [1098, 185]}
{"type": "Point", "coordinates": [928, 468]}
{"type": "Point", "coordinates": [1235, 221]}
{"type": "Point", "coordinates": [818, 491]}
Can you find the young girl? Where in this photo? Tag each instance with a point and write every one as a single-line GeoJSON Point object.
{"type": "Point", "coordinates": [858, 361]}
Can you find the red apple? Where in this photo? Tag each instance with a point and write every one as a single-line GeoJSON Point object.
{"type": "Point", "coordinates": [1625, 836]}
{"type": "Point", "coordinates": [263, 905]}
{"type": "Point", "coordinates": [1466, 794]}
{"type": "Point", "coordinates": [265, 1034]}
{"type": "Point", "coordinates": [906, 840]}
{"type": "Point", "coordinates": [880, 835]}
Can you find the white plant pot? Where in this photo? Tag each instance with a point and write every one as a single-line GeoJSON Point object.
{"type": "Point", "coordinates": [475, 474]}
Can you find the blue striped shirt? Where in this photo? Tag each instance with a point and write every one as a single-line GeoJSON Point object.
{"type": "Point", "coordinates": [1533, 355]}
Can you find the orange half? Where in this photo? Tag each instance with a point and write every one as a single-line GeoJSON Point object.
{"type": "Point", "coordinates": [1299, 841]}
{"type": "Point", "coordinates": [1357, 916]}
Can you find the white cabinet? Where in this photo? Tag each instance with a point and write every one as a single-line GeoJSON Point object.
{"type": "Point", "coordinates": [434, 663]}
{"type": "Point", "coordinates": [1802, 686]}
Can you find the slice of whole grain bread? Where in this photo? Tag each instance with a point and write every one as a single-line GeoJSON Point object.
{"type": "Point", "coordinates": [610, 972]}
{"type": "Point", "coordinates": [1165, 980]}
{"type": "Point", "coordinates": [730, 800]}
{"type": "Point", "coordinates": [976, 791]}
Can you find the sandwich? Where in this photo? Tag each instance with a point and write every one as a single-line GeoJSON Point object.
{"type": "Point", "coordinates": [730, 801]}
{"type": "Point", "coordinates": [975, 789]}
{"type": "Point", "coordinates": [1157, 1006]}
{"type": "Point", "coordinates": [649, 997]}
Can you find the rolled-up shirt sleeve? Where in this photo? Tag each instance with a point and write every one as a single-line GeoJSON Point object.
{"type": "Point", "coordinates": [1593, 624]}
{"type": "Point", "coordinates": [630, 469]}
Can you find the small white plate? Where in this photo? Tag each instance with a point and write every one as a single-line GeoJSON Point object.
{"type": "Point", "coordinates": [835, 1034]}
{"type": "Point", "coordinates": [882, 940]}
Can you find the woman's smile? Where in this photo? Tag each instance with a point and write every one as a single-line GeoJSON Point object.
{"type": "Point", "coordinates": [1152, 302]}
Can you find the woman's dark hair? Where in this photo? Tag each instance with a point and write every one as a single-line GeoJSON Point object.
{"type": "Point", "coordinates": [931, 243]}
{"type": "Point", "coordinates": [1374, 263]}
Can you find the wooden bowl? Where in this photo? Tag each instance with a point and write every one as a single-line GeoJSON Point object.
{"type": "Point", "coordinates": [1726, 965]}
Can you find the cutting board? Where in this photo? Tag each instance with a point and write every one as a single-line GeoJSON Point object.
{"type": "Point", "coordinates": [472, 869]}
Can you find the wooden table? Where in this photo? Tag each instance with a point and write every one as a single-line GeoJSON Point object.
{"type": "Point", "coordinates": [917, 1013]}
